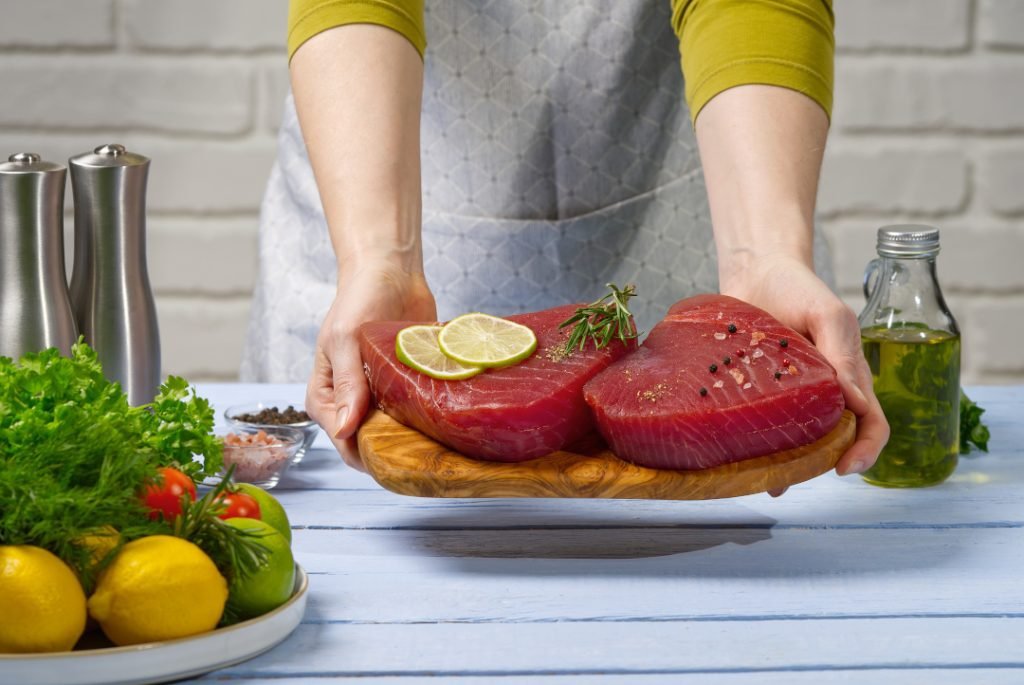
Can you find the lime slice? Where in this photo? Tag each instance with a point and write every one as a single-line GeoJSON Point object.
{"type": "Point", "coordinates": [485, 340]}
{"type": "Point", "coordinates": [417, 348]}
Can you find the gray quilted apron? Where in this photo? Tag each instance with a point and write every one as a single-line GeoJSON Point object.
{"type": "Point", "coordinates": [558, 156]}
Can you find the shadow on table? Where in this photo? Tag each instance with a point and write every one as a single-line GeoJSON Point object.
{"type": "Point", "coordinates": [586, 544]}
{"type": "Point", "coordinates": [571, 537]}
{"type": "Point", "coordinates": [752, 549]}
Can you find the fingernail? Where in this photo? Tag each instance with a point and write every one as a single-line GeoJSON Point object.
{"type": "Point", "coordinates": [339, 420]}
{"type": "Point", "coordinates": [855, 467]}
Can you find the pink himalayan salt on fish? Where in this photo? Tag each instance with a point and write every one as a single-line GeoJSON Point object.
{"type": "Point", "coordinates": [510, 414]}
{"type": "Point", "coordinates": [686, 428]}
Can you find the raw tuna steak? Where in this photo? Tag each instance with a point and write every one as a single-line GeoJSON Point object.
{"type": "Point", "coordinates": [510, 414]}
{"type": "Point", "coordinates": [716, 381]}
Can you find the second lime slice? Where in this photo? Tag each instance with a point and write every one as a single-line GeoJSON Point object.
{"type": "Point", "coordinates": [417, 348]}
{"type": "Point", "coordinates": [484, 340]}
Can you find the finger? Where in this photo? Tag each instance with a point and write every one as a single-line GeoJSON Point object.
{"type": "Point", "coordinates": [320, 391]}
{"type": "Point", "coordinates": [351, 391]}
{"type": "Point", "coordinates": [872, 434]}
{"type": "Point", "coordinates": [349, 451]}
{"type": "Point", "coordinates": [839, 342]}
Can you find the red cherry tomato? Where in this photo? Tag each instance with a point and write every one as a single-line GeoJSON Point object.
{"type": "Point", "coordinates": [163, 497]}
{"type": "Point", "coordinates": [239, 505]}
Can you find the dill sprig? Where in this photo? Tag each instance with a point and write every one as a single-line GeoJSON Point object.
{"type": "Point", "coordinates": [74, 455]}
{"type": "Point", "coordinates": [602, 321]}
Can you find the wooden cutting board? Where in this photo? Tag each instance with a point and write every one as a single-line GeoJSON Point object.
{"type": "Point", "coordinates": [405, 461]}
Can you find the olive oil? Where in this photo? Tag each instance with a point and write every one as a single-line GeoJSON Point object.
{"type": "Point", "coordinates": [916, 374]}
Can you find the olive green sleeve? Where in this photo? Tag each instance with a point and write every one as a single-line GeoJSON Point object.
{"type": "Point", "coordinates": [728, 43]}
{"type": "Point", "coordinates": [306, 18]}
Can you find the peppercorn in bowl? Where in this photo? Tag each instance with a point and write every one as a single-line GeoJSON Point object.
{"type": "Point", "coordinates": [273, 413]}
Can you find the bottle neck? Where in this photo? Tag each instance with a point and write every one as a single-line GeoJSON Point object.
{"type": "Point", "coordinates": [905, 292]}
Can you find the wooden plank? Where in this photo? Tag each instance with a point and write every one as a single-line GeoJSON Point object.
{"type": "Point", "coordinates": [930, 676]}
{"type": "Point", "coordinates": [408, 462]}
{"type": "Point", "coordinates": [644, 574]}
{"type": "Point", "coordinates": [699, 648]}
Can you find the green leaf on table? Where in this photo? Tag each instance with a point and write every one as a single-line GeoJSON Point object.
{"type": "Point", "coordinates": [972, 430]}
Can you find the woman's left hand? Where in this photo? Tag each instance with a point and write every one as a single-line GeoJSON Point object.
{"type": "Point", "coordinates": [791, 292]}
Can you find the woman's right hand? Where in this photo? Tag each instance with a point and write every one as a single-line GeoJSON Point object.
{"type": "Point", "coordinates": [337, 396]}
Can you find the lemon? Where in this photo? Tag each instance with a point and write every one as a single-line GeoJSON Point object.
{"type": "Point", "coordinates": [41, 601]}
{"type": "Point", "coordinates": [271, 510]}
{"type": "Point", "coordinates": [100, 542]}
{"type": "Point", "coordinates": [484, 340]}
{"type": "Point", "coordinates": [270, 586]}
{"type": "Point", "coordinates": [416, 347]}
{"type": "Point", "coordinates": [158, 588]}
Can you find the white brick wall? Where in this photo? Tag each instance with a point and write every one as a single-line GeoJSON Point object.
{"type": "Point", "coordinates": [928, 126]}
{"type": "Point", "coordinates": [195, 85]}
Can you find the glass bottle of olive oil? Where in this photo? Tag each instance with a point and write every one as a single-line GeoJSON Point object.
{"type": "Point", "coordinates": [912, 344]}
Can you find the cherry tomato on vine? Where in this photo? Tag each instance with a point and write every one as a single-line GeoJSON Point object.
{"type": "Point", "coordinates": [163, 497]}
{"type": "Point", "coordinates": [239, 505]}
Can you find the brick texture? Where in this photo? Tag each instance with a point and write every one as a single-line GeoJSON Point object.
{"type": "Point", "coordinates": [201, 338]}
{"type": "Point", "coordinates": [33, 24]}
{"type": "Point", "coordinates": [997, 328]}
{"type": "Point", "coordinates": [193, 25]}
{"type": "Point", "coordinates": [216, 256]}
{"type": "Point", "coordinates": [928, 127]}
{"type": "Point", "coordinates": [882, 179]}
{"type": "Point", "coordinates": [114, 93]}
{"type": "Point", "coordinates": [976, 95]}
{"type": "Point", "coordinates": [1001, 180]}
{"type": "Point", "coordinates": [904, 26]}
{"type": "Point", "coordinates": [1001, 24]}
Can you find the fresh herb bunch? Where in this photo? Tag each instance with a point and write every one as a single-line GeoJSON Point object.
{"type": "Point", "coordinates": [602, 321]}
{"type": "Point", "coordinates": [972, 430]}
{"type": "Point", "coordinates": [74, 455]}
{"type": "Point", "coordinates": [237, 553]}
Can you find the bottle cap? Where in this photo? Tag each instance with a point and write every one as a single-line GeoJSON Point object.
{"type": "Point", "coordinates": [909, 241]}
{"type": "Point", "coordinates": [27, 163]}
{"type": "Point", "coordinates": [112, 155]}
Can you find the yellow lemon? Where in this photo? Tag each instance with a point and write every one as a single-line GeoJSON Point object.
{"type": "Point", "coordinates": [100, 542]}
{"type": "Point", "coordinates": [41, 601]}
{"type": "Point", "coordinates": [158, 588]}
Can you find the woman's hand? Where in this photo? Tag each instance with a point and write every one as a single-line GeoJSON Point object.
{"type": "Point", "coordinates": [338, 396]}
{"type": "Point", "coordinates": [789, 290]}
{"type": "Point", "coordinates": [358, 90]}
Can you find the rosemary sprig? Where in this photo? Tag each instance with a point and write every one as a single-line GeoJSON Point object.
{"type": "Point", "coordinates": [237, 553]}
{"type": "Point", "coordinates": [602, 321]}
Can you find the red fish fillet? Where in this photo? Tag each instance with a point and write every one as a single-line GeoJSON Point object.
{"type": "Point", "coordinates": [511, 414]}
{"type": "Point", "coordinates": [650, 408]}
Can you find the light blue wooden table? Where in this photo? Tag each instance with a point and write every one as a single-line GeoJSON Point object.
{"type": "Point", "coordinates": [836, 582]}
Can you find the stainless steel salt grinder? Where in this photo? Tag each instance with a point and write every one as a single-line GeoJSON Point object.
{"type": "Point", "coordinates": [34, 309]}
{"type": "Point", "coordinates": [110, 291]}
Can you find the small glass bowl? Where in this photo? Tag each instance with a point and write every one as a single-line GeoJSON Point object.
{"type": "Point", "coordinates": [262, 465]}
{"type": "Point", "coordinates": [309, 429]}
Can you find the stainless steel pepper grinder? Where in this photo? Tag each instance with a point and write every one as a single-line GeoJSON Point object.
{"type": "Point", "coordinates": [110, 291]}
{"type": "Point", "coordinates": [34, 309]}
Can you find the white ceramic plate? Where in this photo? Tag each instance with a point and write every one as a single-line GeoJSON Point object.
{"type": "Point", "coordinates": [158, 662]}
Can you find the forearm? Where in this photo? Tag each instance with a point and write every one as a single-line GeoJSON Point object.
{"type": "Point", "coordinates": [358, 90]}
{"type": "Point", "coordinates": [761, 148]}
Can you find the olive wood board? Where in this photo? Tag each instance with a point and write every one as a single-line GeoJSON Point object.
{"type": "Point", "coordinates": [407, 462]}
